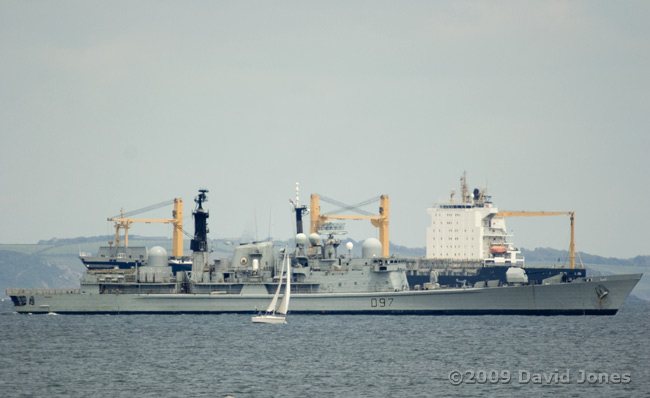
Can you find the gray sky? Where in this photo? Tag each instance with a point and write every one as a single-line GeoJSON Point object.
{"type": "Point", "coordinates": [125, 104]}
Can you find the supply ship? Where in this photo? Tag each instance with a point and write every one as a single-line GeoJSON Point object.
{"type": "Point", "coordinates": [121, 255]}
{"type": "Point", "coordinates": [467, 242]}
{"type": "Point", "coordinates": [322, 282]}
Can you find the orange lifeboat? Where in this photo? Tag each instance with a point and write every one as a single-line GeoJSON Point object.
{"type": "Point", "coordinates": [498, 249]}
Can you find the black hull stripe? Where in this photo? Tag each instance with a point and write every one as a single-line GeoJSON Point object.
{"type": "Point", "coordinates": [405, 312]}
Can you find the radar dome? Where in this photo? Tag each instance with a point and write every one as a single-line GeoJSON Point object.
{"type": "Point", "coordinates": [516, 275]}
{"type": "Point", "coordinates": [371, 248]}
{"type": "Point", "coordinates": [301, 239]}
{"type": "Point", "coordinates": [158, 257]}
{"type": "Point", "coordinates": [314, 238]}
{"type": "Point", "coordinates": [349, 245]}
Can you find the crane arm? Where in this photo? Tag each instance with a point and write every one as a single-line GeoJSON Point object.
{"type": "Point", "coordinates": [325, 217]}
{"type": "Point", "coordinates": [344, 207]}
{"type": "Point", "coordinates": [145, 209]}
{"type": "Point", "coordinates": [144, 220]}
{"type": "Point", "coordinates": [531, 213]}
{"type": "Point", "coordinates": [122, 221]}
{"type": "Point", "coordinates": [380, 221]}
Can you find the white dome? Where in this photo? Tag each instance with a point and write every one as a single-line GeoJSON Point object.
{"type": "Point", "coordinates": [301, 239]}
{"type": "Point", "coordinates": [371, 248]}
{"type": "Point", "coordinates": [158, 257]}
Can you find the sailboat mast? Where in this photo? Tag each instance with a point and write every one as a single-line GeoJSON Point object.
{"type": "Point", "coordinates": [274, 302]}
{"type": "Point", "coordinates": [284, 304]}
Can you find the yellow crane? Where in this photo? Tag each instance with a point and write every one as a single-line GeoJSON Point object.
{"type": "Point", "coordinates": [380, 221]}
{"type": "Point", "coordinates": [122, 221]}
{"type": "Point", "coordinates": [572, 245]}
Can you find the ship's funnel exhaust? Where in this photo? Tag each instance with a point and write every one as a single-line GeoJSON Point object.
{"type": "Point", "coordinates": [199, 244]}
{"type": "Point", "coordinates": [200, 241]}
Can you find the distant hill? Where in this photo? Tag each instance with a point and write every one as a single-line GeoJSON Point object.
{"type": "Point", "coordinates": [403, 251]}
{"type": "Point", "coordinates": [553, 256]}
{"type": "Point", "coordinates": [36, 271]}
{"type": "Point", "coordinates": [93, 239]}
{"type": "Point", "coordinates": [397, 250]}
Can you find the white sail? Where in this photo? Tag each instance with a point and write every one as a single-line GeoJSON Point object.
{"type": "Point", "coordinates": [284, 304]}
{"type": "Point", "coordinates": [274, 302]}
{"type": "Point", "coordinates": [279, 316]}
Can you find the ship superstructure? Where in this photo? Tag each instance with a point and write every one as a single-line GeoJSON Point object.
{"type": "Point", "coordinates": [119, 255]}
{"type": "Point", "coordinates": [467, 242]}
{"type": "Point", "coordinates": [322, 281]}
{"type": "Point", "coordinates": [465, 230]}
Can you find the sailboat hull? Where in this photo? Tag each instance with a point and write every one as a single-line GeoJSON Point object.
{"type": "Point", "coordinates": [274, 319]}
{"type": "Point", "coordinates": [273, 314]}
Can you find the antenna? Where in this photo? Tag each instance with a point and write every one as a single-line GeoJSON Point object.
{"type": "Point", "coordinates": [270, 223]}
{"type": "Point", "coordinates": [299, 210]}
{"type": "Point", "coordinates": [463, 188]}
{"type": "Point", "coordinates": [297, 194]}
{"type": "Point", "coordinates": [256, 237]}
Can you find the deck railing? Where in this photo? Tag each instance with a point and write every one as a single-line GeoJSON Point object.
{"type": "Point", "coordinates": [27, 292]}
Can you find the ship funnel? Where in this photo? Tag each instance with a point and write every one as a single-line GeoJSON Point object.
{"type": "Point", "coordinates": [200, 241]}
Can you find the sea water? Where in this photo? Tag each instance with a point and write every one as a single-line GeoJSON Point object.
{"type": "Point", "coordinates": [325, 355]}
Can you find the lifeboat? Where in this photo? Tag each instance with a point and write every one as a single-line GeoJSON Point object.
{"type": "Point", "coordinates": [498, 249]}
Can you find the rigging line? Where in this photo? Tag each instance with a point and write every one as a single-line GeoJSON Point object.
{"type": "Point", "coordinates": [344, 207]}
{"type": "Point", "coordinates": [108, 228]}
{"type": "Point", "coordinates": [292, 222]}
{"type": "Point", "coordinates": [144, 209]}
{"type": "Point", "coordinates": [173, 227]}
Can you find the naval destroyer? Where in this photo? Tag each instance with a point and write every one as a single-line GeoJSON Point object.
{"type": "Point", "coordinates": [322, 282]}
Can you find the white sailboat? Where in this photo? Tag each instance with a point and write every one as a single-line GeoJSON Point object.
{"type": "Point", "coordinates": [279, 314]}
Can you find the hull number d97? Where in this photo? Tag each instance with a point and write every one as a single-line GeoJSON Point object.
{"type": "Point", "coordinates": [381, 302]}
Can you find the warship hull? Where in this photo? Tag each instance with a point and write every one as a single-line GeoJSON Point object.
{"type": "Point", "coordinates": [320, 282]}
{"type": "Point", "coordinates": [601, 295]}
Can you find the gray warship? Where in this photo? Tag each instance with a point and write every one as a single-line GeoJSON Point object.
{"type": "Point", "coordinates": [322, 282]}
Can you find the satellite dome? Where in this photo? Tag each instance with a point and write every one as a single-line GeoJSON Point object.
{"type": "Point", "coordinates": [158, 257]}
{"type": "Point", "coordinates": [516, 275]}
{"type": "Point", "coordinates": [349, 245]}
{"type": "Point", "coordinates": [301, 239]}
{"type": "Point", "coordinates": [314, 238]}
{"type": "Point", "coordinates": [371, 248]}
